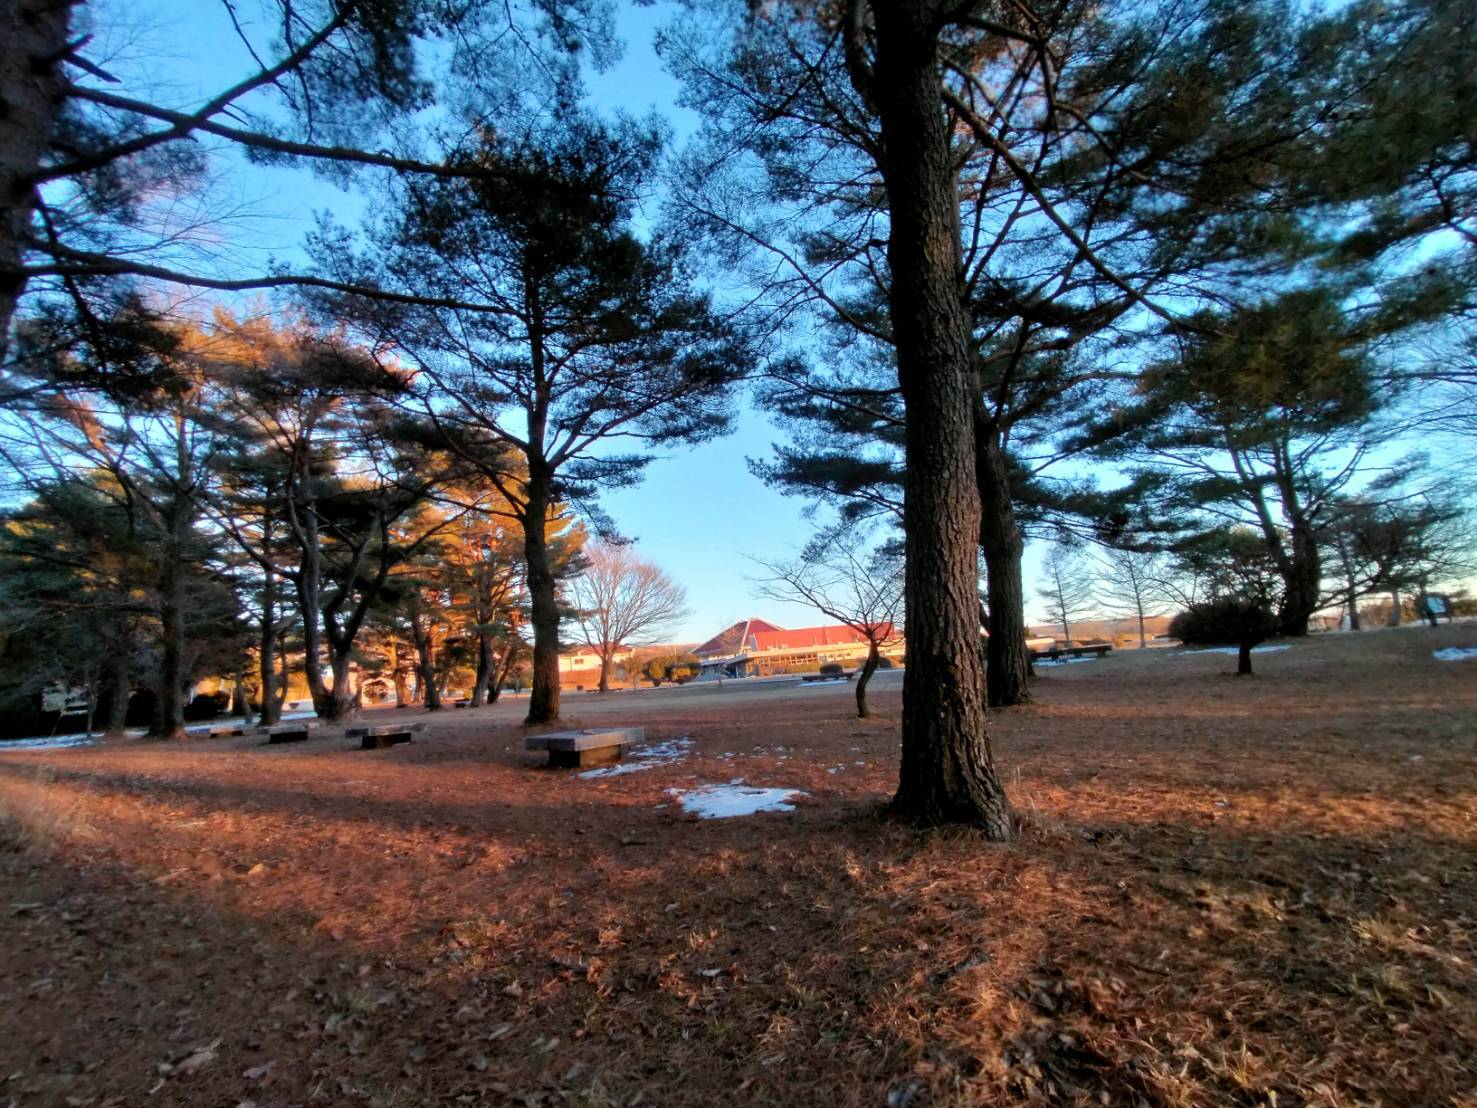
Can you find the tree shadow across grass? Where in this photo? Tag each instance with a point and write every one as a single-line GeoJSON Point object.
{"type": "Point", "coordinates": [824, 957]}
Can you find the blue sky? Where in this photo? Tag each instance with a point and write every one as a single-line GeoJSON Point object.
{"type": "Point", "coordinates": [699, 514]}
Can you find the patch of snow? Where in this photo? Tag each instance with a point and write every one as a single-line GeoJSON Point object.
{"type": "Point", "coordinates": [1234, 650]}
{"type": "Point", "coordinates": [648, 757]}
{"type": "Point", "coordinates": [78, 738]}
{"type": "Point", "coordinates": [1456, 654]}
{"type": "Point", "coordinates": [734, 799]}
{"type": "Point", "coordinates": [1069, 660]}
{"type": "Point", "coordinates": [50, 742]}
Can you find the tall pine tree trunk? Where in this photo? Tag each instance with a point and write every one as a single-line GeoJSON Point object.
{"type": "Point", "coordinates": [1304, 579]}
{"type": "Point", "coordinates": [1007, 660]}
{"type": "Point", "coordinates": [340, 700]}
{"type": "Point", "coordinates": [33, 39]}
{"type": "Point", "coordinates": [947, 771]}
{"type": "Point", "coordinates": [310, 606]}
{"type": "Point", "coordinates": [543, 701]}
{"type": "Point", "coordinates": [242, 700]}
{"type": "Point", "coordinates": [271, 706]}
{"type": "Point", "coordinates": [169, 722]}
{"type": "Point", "coordinates": [426, 665]}
{"type": "Point", "coordinates": [120, 691]}
{"type": "Point", "coordinates": [486, 659]}
{"type": "Point", "coordinates": [284, 676]}
{"type": "Point", "coordinates": [397, 675]}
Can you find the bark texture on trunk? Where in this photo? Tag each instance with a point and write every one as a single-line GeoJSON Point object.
{"type": "Point", "coordinates": [309, 584]}
{"type": "Point", "coordinates": [1304, 578]}
{"type": "Point", "coordinates": [119, 691]}
{"type": "Point", "coordinates": [605, 664]}
{"type": "Point", "coordinates": [1007, 660]}
{"type": "Point", "coordinates": [242, 700]}
{"type": "Point", "coordinates": [947, 771]}
{"type": "Point", "coordinates": [170, 720]}
{"type": "Point", "coordinates": [543, 701]}
{"type": "Point", "coordinates": [91, 701]}
{"type": "Point", "coordinates": [271, 706]}
{"type": "Point", "coordinates": [341, 701]}
{"type": "Point", "coordinates": [33, 39]}
{"type": "Point", "coordinates": [870, 667]}
{"type": "Point", "coordinates": [486, 665]}
{"type": "Point", "coordinates": [397, 676]}
{"type": "Point", "coordinates": [426, 667]}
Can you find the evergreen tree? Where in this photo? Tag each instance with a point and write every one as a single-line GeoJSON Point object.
{"type": "Point", "coordinates": [598, 338]}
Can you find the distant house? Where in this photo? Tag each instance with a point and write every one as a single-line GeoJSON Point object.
{"type": "Point", "coordinates": [1122, 633]}
{"type": "Point", "coordinates": [758, 648]}
{"type": "Point", "coordinates": [580, 665]}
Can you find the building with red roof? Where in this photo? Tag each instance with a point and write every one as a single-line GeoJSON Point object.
{"type": "Point", "coordinates": [758, 648]}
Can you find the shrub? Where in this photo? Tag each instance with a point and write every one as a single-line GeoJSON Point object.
{"type": "Point", "coordinates": [208, 706]}
{"type": "Point", "coordinates": [833, 669]}
{"type": "Point", "coordinates": [1228, 621]}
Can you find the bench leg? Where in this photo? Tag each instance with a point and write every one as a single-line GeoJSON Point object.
{"type": "Point", "coordinates": [380, 742]}
{"type": "Point", "coordinates": [575, 759]}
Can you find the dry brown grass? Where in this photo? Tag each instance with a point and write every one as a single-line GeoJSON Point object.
{"type": "Point", "coordinates": [1224, 892]}
{"type": "Point", "coordinates": [34, 818]}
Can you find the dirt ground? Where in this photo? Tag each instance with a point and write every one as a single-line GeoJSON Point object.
{"type": "Point", "coordinates": [1225, 892]}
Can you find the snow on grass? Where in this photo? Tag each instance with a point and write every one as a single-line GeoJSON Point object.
{"type": "Point", "coordinates": [1066, 661]}
{"type": "Point", "coordinates": [734, 799]}
{"type": "Point", "coordinates": [49, 742]}
{"type": "Point", "coordinates": [648, 757]}
{"type": "Point", "coordinates": [78, 738]}
{"type": "Point", "coordinates": [1456, 654]}
{"type": "Point", "coordinates": [1234, 650]}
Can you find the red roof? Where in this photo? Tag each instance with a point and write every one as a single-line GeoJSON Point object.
{"type": "Point", "coordinates": [730, 639]}
{"type": "Point", "coordinates": [763, 635]}
{"type": "Point", "coordinates": [802, 638]}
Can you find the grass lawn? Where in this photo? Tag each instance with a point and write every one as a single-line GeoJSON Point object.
{"type": "Point", "coordinates": [1225, 891]}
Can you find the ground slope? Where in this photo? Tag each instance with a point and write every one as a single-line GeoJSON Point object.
{"type": "Point", "coordinates": [1226, 891]}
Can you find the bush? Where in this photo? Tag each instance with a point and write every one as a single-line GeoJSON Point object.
{"type": "Point", "coordinates": [833, 669]}
{"type": "Point", "coordinates": [1242, 623]}
{"type": "Point", "coordinates": [1225, 622]}
{"type": "Point", "coordinates": [208, 706]}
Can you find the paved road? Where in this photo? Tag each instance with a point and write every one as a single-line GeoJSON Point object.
{"type": "Point", "coordinates": [682, 697]}
{"type": "Point", "coordinates": [578, 705]}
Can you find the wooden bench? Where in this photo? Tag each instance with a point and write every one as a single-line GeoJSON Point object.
{"type": "Point", "coordinates": [286, 733]}
{"type": "Point", "coordinates": [386, 734]}
{"type": "Point", "coordinates": [807, 677]}
{"type": "Point", "coordinates": [572, 749]}
{"type": "Point", "coordinates": [1055, 652]}
{"type": "Point", "coordinates": [223, 732]}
